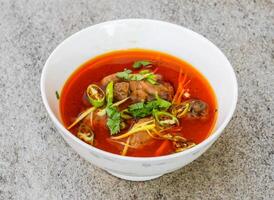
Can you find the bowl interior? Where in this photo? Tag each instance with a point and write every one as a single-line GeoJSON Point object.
{"type": "Point", "coordinates": [147, 34]}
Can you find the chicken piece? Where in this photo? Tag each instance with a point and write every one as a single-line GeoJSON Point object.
{"type": "Point", "coordinates": [121, 90]}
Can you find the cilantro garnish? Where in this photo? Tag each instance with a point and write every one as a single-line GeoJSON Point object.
{"type": "Point", "coordinates": [140, 63]}
{"type": "Point", "coordinates": [142, 75]}
{"type": "Point", "coordinates": [114, 120]}
{"type": "Point", "coordinates": [124, 75]}
{"type": "Point", "coordinates": [143, 109]}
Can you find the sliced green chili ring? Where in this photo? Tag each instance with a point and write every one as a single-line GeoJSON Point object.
{"type": "Point", "coordinates": [171, 119]}
{"type": "Point", "coordinates": [123, 125]}
{"type": "Point", "coordinates": [109, 93]}
{"type": "Point", "coordinates": [187, 106]}
{"type": "Point", "coordinates": [181, 110]}
{"type": "Point", "coordinates": [96, 95]}
{"type": "Point", "coordinates": [125, 114]}
{"type": "Point", "coordinates": [86, 134]}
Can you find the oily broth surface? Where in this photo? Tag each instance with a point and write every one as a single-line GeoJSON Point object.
{"type": "Point", "coordinates": [72, 101]}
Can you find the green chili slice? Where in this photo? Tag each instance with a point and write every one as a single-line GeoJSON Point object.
{"type": "Point", "coordinates": [125, 114]}
{"type": "Point", "coordinates": [109, 93]}
{"type": "Point", "coordinates": [96, 95]}
{"type": "Point", "coordinates": [181, 110]}
{"type": "Point", "coordinates": [164, 118]}
{"type": "Point", "coordinates": [86, 134]}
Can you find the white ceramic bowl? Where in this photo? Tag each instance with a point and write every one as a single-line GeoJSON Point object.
{"type": "Point", "coordinates": [146, 34]}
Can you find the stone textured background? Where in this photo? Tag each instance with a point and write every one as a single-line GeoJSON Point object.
{"type": "Point", "coordinates": [35, 161]}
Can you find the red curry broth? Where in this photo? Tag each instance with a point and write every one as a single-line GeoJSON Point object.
{"type": "Point", "coordinates": [72, 101]}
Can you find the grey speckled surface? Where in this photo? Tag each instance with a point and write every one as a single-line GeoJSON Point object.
{"type": "Point", "coordinates": [36, 163]}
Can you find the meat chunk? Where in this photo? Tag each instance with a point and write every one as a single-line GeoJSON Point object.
{"type": "Point", "coordinates": [198, 109]}
{"type": "Point", "coordinates": [121, 90]}
{"type": "Point", "coordinates": [107, 79]}
{"type": "Point", "coordinates": [137, 92]}
{"type": "Point", "coordinates": [135, 85]}
{"type": "Point", "coordinates": [138, 95]}
{"type": "Point", "coordinates": [139, 139]}
{"type": "Point", "coordinates": [164, 90]}
{"type": "Point", "coordinates": [142, 137]}
{"type": "Point", "coordinates": [143, 90]}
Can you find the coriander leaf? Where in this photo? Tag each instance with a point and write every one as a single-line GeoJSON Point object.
{"type": "Point", "coordinates": [161, 103]}
{"type": "Point", "coordinates": [125, 74]}
{"type": "Point", "coordinates": [151, 78]}
{"type": "Point", "coordinates": [139, 110]}
{"type": "Point", "coordinates": [136, 77]}
{"type": "Point", "coordinates": [114, 120]}
{"type": "Point", "coordinates": [139, 105]}
{"type": "Point", "coordinates": [151, 104]}
{"type": "Point", "coordinates": [110, 111]}
{"type": "Point", "coordinates": [143, 75]}
{"type": "Point", "coordinates": [140, 63]}
{"type": "Point", "coordinates": [142, 109]}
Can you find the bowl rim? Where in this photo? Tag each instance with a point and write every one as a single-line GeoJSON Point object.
{"type": "Point", "coordinates": [214, 135]}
